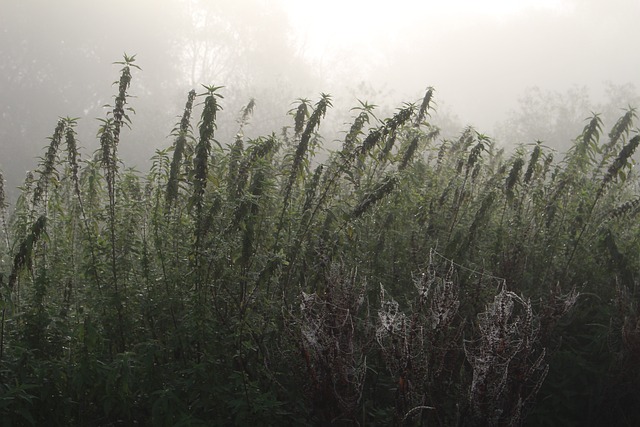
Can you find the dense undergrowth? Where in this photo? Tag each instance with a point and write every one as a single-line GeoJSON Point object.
{"type": "Point", "coordinates": [403, 281]}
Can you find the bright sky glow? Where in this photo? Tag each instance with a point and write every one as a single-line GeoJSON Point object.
{"type": "Point", "coordinates": [462, 47]}
{"type": "Point", "coordinates": [339, 24]}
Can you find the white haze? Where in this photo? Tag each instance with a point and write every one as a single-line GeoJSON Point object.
{"type": "Point", "coordinates": [488, 60]}
{"type": "Point", "coordinates": [479, 55]}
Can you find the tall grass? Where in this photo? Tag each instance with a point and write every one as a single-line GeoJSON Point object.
{"type": "Point", "coordinates": [404, 280]}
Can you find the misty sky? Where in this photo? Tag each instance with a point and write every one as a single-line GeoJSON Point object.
{"type": "Point", "coordinates": [479, 55]}
{"type": "Point", "coordinates": [482, 57]}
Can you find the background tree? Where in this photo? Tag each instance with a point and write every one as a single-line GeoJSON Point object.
{"type": "Point", "coordinates": [556, 117]}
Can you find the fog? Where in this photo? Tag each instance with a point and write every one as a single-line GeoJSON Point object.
{"type": "Point", "coordinates": [517, 71]}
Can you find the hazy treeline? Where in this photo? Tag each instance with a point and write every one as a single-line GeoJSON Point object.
{"type": "Point", "coordinates": [57, 56]}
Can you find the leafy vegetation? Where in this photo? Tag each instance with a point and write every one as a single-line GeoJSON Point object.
{"type": "Point", "coordinates": [402, 281]}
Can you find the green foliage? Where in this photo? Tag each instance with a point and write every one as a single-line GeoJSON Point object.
{"type": "Point", "coordinates": [179, 148]}
{"type": "Point", "coordinates": [401, 281]}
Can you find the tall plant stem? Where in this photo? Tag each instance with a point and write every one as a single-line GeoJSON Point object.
{"type": "Point", "coordinates": [109, 140]}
